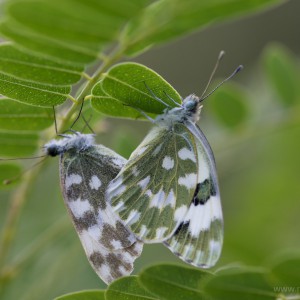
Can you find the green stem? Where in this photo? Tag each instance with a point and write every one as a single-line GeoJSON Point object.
{"type": "Point", "coordinates": [19, 196]}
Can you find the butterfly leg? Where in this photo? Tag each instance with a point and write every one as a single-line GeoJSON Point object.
{"type": "Point", "coordinates": [155, 97]}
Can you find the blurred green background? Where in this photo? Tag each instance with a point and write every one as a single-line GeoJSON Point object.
{"type": "Point", "coordinates": [253, 125]}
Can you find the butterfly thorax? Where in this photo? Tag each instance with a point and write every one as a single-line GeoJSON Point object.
{"type": "Point", "coordinates": [77, 142]}
{"type": "Point", "coordinates": [188, 111]}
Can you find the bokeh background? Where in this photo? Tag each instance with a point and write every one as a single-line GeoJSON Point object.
{"type": "Point", "coordinates": [255, 135]}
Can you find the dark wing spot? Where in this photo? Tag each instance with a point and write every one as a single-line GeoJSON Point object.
{"type": "Point", "coordinates": [115, 261]}
{"type": "Point", "coordinates": [118, 233]}
{"type": "Point", "coordinates": [85, 222]}
{"type": "Point", "coordinates": [97, 259]}
{"type": "Point", "coordinates": [183, 226]}
{"type": "Point", "coordinates": [203, 192]}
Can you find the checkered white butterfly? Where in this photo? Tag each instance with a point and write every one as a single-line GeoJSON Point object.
{"type": "Point", "coordinates": [168, 189]}
{"type": "Point", "coordinates": [85, 172]}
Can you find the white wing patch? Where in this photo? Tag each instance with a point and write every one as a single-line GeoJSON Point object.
{"type": "Point", "coordinates": [180, 212]}
{"type": "Point", "coordinates": [204, 172]}
{"type": "Point", "coordinates": [116, 188]}
{"type": "Point", "coordinates": [133, 217]}
{"type": "Point", "coordinates": [189, 181]}
{"type": "Point", "coordinates": [185, 154]}
{"type": "Point", "coordinates": [157, 200]}
{"type": "Point", "coordinates": [144, 182]}
{"type": "Point", "coordinates": [73, 179]}
{"type": "Point", "coordinates": [199, 218]}
{"type": "Point", "coordinates": [79, 207]}
{"type": "Point", "coordinates": [157, 150]}
{"type": "Point", "coordinates": [168, 163]}
{"type": "Point", "coordinates": [171, 199]}
{"type": "Point", "coordinates": [95, 182]}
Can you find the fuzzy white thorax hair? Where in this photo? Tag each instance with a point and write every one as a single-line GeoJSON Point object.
{"type": "Point", "coordinates": [77, 141]}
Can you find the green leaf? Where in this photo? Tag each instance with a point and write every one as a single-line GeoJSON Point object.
{"type": "Point", "coordinates": [167, 19]}
{"type": "Point", "coordinates": [110, 106]}
{"type": "Point", "coordinates": [73, 31]}
{"type": "Point", "coordinates": [8, 171]}
{"type": "Point", "coordinates": [18, 144]}
{"type": "Point", "coordinates": [32, 93]}
{"type": "Point", "coordinates": [45, 47]}
{"type": "Point", "coordinates": [286, 272]}
{"type": "Point", "coordinates": [35, 69]}
{"type": "Point", "coordinates": [173, 281]}
{"type": "Point", "coordinates": [128, 288]}
{"type": "Point", "coordinates": [125, 82]}
{"type": "Point", "coordinates": [229, 105]}
{"type": "Point", "coordinates": [17, 116]}
{"type": "Point", "coordinates": [283, 73]}
{"type": "Point", "coordinates": [239, 284]}
{"type": "Point", "coordinates": [83, 295]}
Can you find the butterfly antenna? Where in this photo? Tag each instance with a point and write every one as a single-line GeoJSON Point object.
{"type": "Point", "coordinates": [154, 96]}
{"type": "Point", "coordinates": [87, 125]}
{"type": "Point", "coordinates": [79, 114]}
{"type": "Point", "coordinates": [221, 55]}
{"type": "Point", "coordinates": [141, 112]}
{"type": "Point", "coordinates": [21, 158]}
{"type": "Point", "coordinates": [239, 68]}
{"type": "Point", "coordinates": [11, 180]}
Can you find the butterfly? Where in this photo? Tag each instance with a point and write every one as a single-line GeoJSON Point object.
{"type": "Point", "coordinates": [168, 190]}
{"type": "Point", "coordinates": [85, 172]}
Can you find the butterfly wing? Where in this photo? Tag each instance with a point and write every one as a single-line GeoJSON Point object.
{"type": "Point", "coordinates": [110, 247]}
{"type": "Point", "coordinates": [198, 239]}
{"type": "Point", "coordinates": [152, 191]}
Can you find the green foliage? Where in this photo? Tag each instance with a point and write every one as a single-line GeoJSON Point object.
{"type": "Point", "coordinates": [68, 31]}
{"type": "Point", "coordinates": [17, 116]}
{"type": "Point", "coordinates": [84, 295]}
{"type": "Point", "coordinates": [283, 74]}
{"type": "Point", "coordinates": [128, 288]}
{"type": "Point", "coordinates": [165, 20]}
{"type": "Point", "coordinates": [132, 84]}
{"type": "Point", "coordinates": [54, 45]}
{"type": "Point", "coordinates": [174, 281]}
{"type": "Point", "coordinates": [18, 144]}
{"type": "Point", "coordinates": [170, 282]}
{"type": "Point", "coordinates": [8, 171]}
{"type": "Point", "coordinates": [229, 104]}
{"type": "Point", "coordinates": [240, 284]}
{"type": "Point", "coordinates": [37, 69]}
{"type": "Point", "coordinates": [286, 271]}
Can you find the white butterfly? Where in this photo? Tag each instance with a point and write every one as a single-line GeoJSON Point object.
{"type": "Point", "coordinates": [168, 190]}
{"type": "Point", "coordinates": [85, 172]}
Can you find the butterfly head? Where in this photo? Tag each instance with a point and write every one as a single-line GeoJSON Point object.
{"type": "Point", "coordinates": [77, 141]}
{"type": "Point", "coordinates": [192, 107]}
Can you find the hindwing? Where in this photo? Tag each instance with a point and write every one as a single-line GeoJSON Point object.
{"type": "Point", "coordinates": [198, 239]}
{"type": "Point", "coordinates": [110, 247]}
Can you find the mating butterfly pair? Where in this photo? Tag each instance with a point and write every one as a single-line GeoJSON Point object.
{"type": "Point", "coordinates": [166, 192]}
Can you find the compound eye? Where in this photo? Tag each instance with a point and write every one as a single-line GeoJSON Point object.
{"type": "Point", "coordinates": [189, 105]}
{"type": "Point", "coordinates": [52, 151]}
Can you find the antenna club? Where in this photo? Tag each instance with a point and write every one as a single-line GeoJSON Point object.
{"type": "Point", "coordinates": [221, 55]}
{"type": "Point", "coordinates": [239, 68]}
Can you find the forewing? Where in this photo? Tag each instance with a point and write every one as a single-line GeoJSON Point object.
{"type": "Point", "coordinates": [110, 247]}
{"type": "Point", "coordinates": [198, 239]}
{"type": "Point", "coordinates": [152, 192]}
